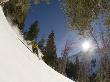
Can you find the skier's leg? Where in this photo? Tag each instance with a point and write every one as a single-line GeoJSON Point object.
{"type": "Point", "coordinates": [34, 50]}
{"type": "Point", "coordinates": [37, 51]}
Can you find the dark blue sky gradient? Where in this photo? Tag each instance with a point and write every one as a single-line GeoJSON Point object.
{"type": "Point", "coordinates": [50, 17]}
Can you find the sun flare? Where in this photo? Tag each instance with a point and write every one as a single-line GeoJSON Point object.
{"type": "Point", "coordinates": [86, 45]}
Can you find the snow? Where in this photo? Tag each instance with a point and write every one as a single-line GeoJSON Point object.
{"type": "Point", "coordinates": [17, 63]}
{"type": "Point", "coordinates": [3, 1]}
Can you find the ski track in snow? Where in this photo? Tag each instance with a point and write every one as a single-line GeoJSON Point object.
{"type": "Point", "coordinates": [17, 63]}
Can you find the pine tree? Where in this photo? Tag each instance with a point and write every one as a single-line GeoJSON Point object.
{"type": "Point", "coordinates": [92, 74]}
{"type": "Point", "coordinates": [71, 70]}
{"type": "Point", "coordinates": [63, 61]}
{"type": "Point", "coordinates": [33, 31]}
{"type": "Point", "coordinates": [77, 68]}
{"type": "Point", "coordinates": [51, 55]}
{"type": "Point", "coordinates": [41, 45]}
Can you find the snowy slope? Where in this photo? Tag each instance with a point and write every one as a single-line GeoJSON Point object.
{"type": "Point", "coordinates": [17, 63]}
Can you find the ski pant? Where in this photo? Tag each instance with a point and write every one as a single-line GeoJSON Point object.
{"type": "Point", "coordinates": [35, 50]}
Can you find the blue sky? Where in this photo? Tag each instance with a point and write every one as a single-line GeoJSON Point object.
{"type": "Point", "coordinates": [50, 17]}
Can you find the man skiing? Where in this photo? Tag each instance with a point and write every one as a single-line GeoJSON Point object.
{"type": "Point", "coordinates": [34, 47]}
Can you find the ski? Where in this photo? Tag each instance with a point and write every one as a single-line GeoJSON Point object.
{"type": "Point", "coordinates": [25, 45]}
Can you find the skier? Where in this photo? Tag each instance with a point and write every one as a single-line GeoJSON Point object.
{"type": "Point", "coordinates": [34, 47]}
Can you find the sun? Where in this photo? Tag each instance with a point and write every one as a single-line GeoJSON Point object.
{"type": "Point", "coordinates": [86, 45]}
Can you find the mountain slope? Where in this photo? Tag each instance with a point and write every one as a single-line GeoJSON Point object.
{"type": "Point", "coordinates": [17, 63]}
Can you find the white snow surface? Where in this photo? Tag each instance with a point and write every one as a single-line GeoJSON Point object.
{"type": "Point", "coordinates": [17, 63]}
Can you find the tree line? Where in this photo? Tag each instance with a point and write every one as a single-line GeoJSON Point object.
{"type": "Point", "coordinates": [61, 64]}
{"type": "Point", "coordinates": [82, 15]}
